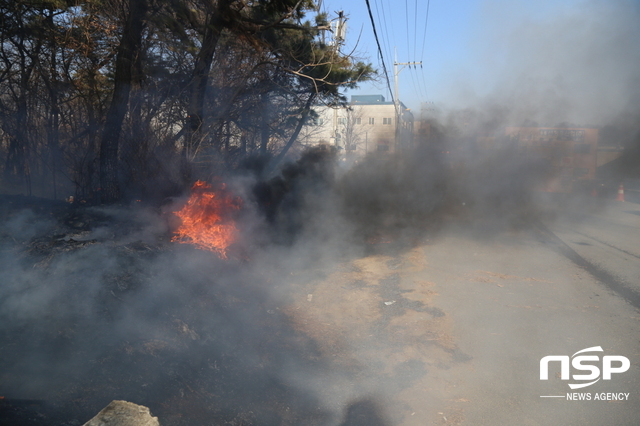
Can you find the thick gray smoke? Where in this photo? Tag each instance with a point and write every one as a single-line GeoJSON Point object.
{"type": "Point", "coordinates": [97, 304]}
{"type": "Point", "coordinates": [573, 62]}
{"type": "Point", "coordinates": [555, 64]}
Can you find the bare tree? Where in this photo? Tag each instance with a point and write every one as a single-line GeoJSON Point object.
{"type": "Point", "coordinates": [353, 131]}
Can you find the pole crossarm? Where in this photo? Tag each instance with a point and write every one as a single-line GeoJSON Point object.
{"type": "Point", "coordinates": [396, 73]}
{"type": "Point", "coordinates": [406, 63]}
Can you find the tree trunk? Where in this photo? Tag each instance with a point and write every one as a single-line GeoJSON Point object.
{"type": "Point", "coordinates": [294, 136]}
{"type": "Point", "coordinates": [53, 136]}
{"type": "Point", "coordinates": [128, 51]}
{"type": "Point", "coordinates": [135, 144]}
{"type": "Point", "coordinates": [200, 78]}
{"type": "Point", "coordinates": [265, 132]}
{"type": "Point", "coordinates": [243, 142]}
{"type": "Point", "coordinates": [18, 155]}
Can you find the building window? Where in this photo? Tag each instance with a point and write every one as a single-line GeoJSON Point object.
{"type": "Point", "coordinates": [342, 120]}
{"type": "Point", "coordinates": [383, 147]}
{"type": "Point", "coordinates": [371, 120]}
{"type": "Point", "coordinates": [386, 121]}
{"type": "Point", "coordinates": [358, 120]}
{"type": "Point", "coordinates": [318, 121]}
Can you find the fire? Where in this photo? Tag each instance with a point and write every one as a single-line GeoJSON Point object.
{"type": "Point", "coordinates": [207, 219]}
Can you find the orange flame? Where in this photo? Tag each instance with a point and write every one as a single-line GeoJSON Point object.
{"type": "Point", "coordinates": [206, 219]}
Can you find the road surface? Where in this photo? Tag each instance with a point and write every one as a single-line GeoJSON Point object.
{"type": "Point", "coordinates": [452, 331]}
{"type": "Point", "coordinates": [606, 234]}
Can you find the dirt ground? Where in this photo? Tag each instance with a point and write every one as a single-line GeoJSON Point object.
{"type": "Point", "coordinates": [378, 314]}
{"type": "Point", "coordinates": [451, 331]}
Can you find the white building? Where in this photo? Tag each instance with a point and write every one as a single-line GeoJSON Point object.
{"type": "Point", "coordinates": [368, 124]}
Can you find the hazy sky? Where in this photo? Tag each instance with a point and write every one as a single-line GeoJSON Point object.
{"type": "Point", "coordinates": [578, 60]}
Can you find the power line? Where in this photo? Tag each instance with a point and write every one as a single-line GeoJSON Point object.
{"type": "Point", "coordinates": [406, 14]}
{"type": "Point", "coordinates": [385, 28]}
{"type": "Point", "coordinates": [384, 67]}
{"type": "Point", "coordinates": [426, 90]}
{"type": "Point", "coordinates": [418, 75]}
{"type": "Point", "coordinates": [385, 37]}
{"type": "Point", "coordinates": [424, 37]}
{"type": "Point", "coordinates": [413, 82]}
{"type": "Point", "coordinates": [415, 29]}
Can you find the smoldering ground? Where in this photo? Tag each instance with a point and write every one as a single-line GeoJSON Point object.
{"type": "Point", "coordinates": [194, 337]}
{"type": "Point", "coordinates": [97, 303]}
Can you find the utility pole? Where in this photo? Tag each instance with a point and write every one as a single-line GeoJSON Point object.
{"type": "Point", "coordinates": [339, 29]}
{"type": "Point", "coordinates": [396, 73]}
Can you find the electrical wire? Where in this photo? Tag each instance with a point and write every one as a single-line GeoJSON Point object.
{"type": "Point", "coordinates": [406, 15]}
{"type": "Point", "coordinates": [420, 90]}
{"type": "Point", "coordinates": [426, 23]}
{"type": "Point", "coordinates": [385, 37]}
{"type": "Point", "coordinates": [415, 29]}
{"type": "Point", "coordinates": [384, 67]}
{"type": "Point", "coordinates": [413, 81]}
{"type": "Point", "coordinates": [386, 28]}
{"type": "Point", "coordinates": [426, 91]}
{"type": "Point", "coordinates": [424, 40]}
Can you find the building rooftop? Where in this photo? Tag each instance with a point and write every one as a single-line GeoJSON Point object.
{"type": "Point", "coordinates": [367, 99]}
{"type": "Point", "coordinates": [371, 100]}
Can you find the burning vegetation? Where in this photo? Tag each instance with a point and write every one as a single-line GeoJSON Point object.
{"type": "Point", "coordinates": [207, 219]}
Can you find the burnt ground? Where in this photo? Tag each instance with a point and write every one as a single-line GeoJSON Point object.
{"type": "Point", "coordinates": [99, 305]}
{"type": "Point", "coordinates": [87, 320]}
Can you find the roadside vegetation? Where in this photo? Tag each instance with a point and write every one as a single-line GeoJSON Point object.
{"type": "Point", "coordinates": [115, 100]}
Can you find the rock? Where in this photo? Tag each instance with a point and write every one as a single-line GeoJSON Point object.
{"type": "Point", "coordinates": [123, 413]}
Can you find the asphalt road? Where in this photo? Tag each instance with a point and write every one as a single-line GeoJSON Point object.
{"type": "Point", "coordinates": [606, 234]}
{"type": "Point", "coordinates": [513, 301]}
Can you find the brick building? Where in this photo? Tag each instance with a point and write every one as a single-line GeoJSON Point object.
{"type": "Point", "coordinates": [570, 154]}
